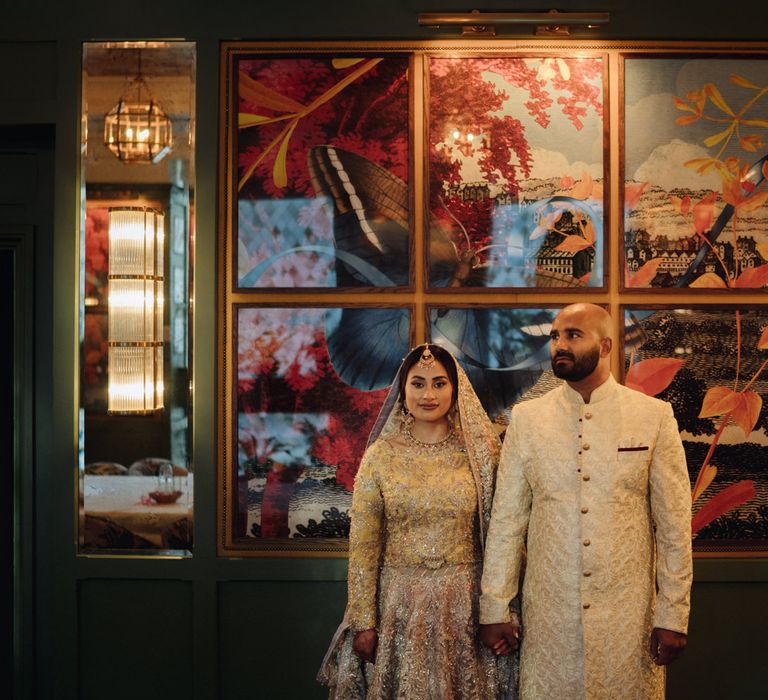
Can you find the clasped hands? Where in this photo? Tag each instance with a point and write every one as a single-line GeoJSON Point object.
{"type": "Point", "coordinates": [502, 638]}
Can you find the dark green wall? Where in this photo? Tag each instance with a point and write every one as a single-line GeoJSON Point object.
{"type": "Point", "coordinates": [247, 628]}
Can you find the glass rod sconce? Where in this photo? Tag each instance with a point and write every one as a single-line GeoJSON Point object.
{"type": "Point", "coordinates": [135, 348]}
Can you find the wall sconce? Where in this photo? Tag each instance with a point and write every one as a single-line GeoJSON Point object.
{"type": "Point", "coordinates": [135, 347]}
{"type": "Point", "coordinates": [476, 23]}
{"type": "Point", "coordinates": [137, 130]}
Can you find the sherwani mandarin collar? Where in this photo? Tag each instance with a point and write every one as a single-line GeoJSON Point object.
{"type": "Point", "coordinates": [605, 391]}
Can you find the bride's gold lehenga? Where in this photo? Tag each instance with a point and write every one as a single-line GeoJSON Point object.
{"type": "Point", "coordinates": [414, 570]}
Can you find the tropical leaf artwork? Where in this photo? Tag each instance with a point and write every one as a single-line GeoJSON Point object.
{"type": "Point", "coordinates": [710, 364]}
{"type": "Point", "coordinates": [319, 140]}
{"type": "Point", "coordinates": [696, 141]}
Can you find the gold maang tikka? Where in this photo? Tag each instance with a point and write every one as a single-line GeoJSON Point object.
{"type": "Point", "coordinates": [427, 359]}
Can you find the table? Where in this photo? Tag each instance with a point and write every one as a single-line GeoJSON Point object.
{"type": "Point", "coordinates": [125, 499]}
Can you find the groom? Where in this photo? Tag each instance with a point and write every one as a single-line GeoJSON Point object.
{"type": "Point", "coordinates": [593, 479]}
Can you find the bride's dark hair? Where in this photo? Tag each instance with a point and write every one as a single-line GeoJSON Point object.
{"type": "Point", "coordinates": [441, 355]}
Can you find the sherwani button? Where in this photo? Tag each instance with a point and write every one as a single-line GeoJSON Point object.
{"type": "Point", "coordinates": [587, 415]}
{"type": "Point", "coordinates": [587, 574]}
{"type": "Point", "coordinates": [587, 543]}
{"type": "Point", "coordinates": [585, 606]}
{"type": "Point", "coordinates": [585, 477]}
{"type": "Point", "coordinates": [585, 510]}
{"type": "Point", "coordinates": [585, 446]}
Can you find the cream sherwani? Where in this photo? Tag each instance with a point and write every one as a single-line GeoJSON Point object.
{"type": "Point", "coordinates": [603, 492]}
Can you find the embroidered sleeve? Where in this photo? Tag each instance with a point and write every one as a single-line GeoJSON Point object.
{"type": "Point", "coordinates": [671, 509]}
{"type": "Point", "coordinates": [504, 545]}
{"type": "Point", "coordinates": [365, 544]}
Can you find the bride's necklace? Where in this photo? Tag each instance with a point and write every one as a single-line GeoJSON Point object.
{"type": "Point", "coordinates": [429, 445]}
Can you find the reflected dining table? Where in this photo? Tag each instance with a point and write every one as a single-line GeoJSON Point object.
{"type": "Point", "coordinates": [125, 500]}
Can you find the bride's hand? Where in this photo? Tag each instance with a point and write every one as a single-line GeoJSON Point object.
{"type": "Point", "coordinates": [364, 645]}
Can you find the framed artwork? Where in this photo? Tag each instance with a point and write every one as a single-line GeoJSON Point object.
{"type": "Point", "coordinates": [711, 364]}
{"type": "Point", "coordinates": [375, 195]}
{"type": "Point", "coordinates": [310, 382]}
{"type": "Point", "coordinates": [503, 350]}
{"type": "Point", "coordinates": [695, 140]}
{"type": "Point", "coordinates": [517, 169]}
{"type": "Point", "coordinates": [322, 160]}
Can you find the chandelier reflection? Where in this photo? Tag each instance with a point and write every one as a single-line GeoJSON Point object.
{"type": "Point", "coordinates": [137, 130]}
{"type": "Point", "coordinates": [135, 348]}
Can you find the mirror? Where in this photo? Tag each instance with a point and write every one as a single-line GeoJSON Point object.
{"type": "Point", "coordinates": [136, 262]}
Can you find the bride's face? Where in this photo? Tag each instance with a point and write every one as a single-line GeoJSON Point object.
{"type": "Point", "coordinates": [428, 393]}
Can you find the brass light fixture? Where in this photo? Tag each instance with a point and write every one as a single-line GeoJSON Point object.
{"type": "Point", "coordinates": [135, 347]}
{"type": "Point", "coordinates": [483, 24]}
{"type": "Point", "coordinates": [137, 130]}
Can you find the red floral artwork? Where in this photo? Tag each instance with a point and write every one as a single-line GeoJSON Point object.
{"type": "Point", "coordinates": [300, 427]}
{"type": "Point", "coordinates": [487, 118]}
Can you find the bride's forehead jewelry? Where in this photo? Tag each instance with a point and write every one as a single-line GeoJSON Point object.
{"type": "Point", "coordinates": [427, 359]}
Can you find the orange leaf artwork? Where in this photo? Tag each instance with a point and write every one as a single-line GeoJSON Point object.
{"type": "Point", "coordinates": [681, 205]}
{"type": "Point", "coordinates": [747, 411]}
{"type": "Point", "coordinates": [754, 202]}
{"type": "Point", "coordinates": [728, 499]}
{"type": "Point", "coordinates": [753, 278]}
{"type": "Point", "coordinates": [717, 401]}
{"type": "Point", "coordinates": [751, 143]}
{"type": "Point", "coordinates": [643, 277]}
{"type": "Point", "coordinates": [583, 188]}
{"type": "Point", "coordinates": [717, 99]}
{"type": "Point", "coordinates": [737, 79]}
{"type": "Point", "coordinates": [573, 244]}
{"type": "Point", "coordinates": [706, 477]}
{"type": "Point", "coordinates": [632, 194]}
{"type": "Point", "coordinates": [762, 344]}
{"type": "Point", "coordinates": [709, 280]}
{"type": "Point", "coordinates": [340, 63]}
{"type": "Point", "coordinates": [258, 94]}
{"type": "Point", "coordinates": [652, 376]}
{"type": "Point", "coordinates": [703, 213]}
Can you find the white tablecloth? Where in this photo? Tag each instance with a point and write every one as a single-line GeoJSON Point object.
{"type": "Point", "coordinates": [125, 499]}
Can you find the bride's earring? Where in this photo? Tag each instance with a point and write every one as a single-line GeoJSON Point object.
{"type": "Point", "coordinates": [406, 417]}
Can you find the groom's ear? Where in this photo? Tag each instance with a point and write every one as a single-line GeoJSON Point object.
{"type": "Point", "coordinates": [606, 345]}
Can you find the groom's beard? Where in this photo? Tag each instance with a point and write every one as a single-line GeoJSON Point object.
{"type": "Point", "coordinates": [579, 368]}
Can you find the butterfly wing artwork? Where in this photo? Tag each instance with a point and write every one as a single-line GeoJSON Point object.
{"type": "Point", "coordinates": [503, 351]}
{"type": "Point", "coordinates": [370, 224]}
{"type": "Point", "coordinates": [370, 214]}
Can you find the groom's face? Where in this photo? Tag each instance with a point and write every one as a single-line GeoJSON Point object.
{"type": "Point", "coordinates": [574, 347]}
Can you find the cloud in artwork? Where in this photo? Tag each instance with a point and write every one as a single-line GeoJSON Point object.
{"type": "Point", "coordinates": [664, 168]}
{"type": "Point", "coordinates": [548, 164]}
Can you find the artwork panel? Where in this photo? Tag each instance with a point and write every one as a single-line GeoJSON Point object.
{"type": "Point", "coordinates": [695, 149]}
{"type": "Point", "coordinates": [516, 171]}
{"type": "Point", "coordinates": [504, 351]}
{"type": "Point", "coordinates": [310, 383]}
{"type": "Point", "coordinates": [322, 171]}
{"type": "Point", "coordinates": [718, 388]}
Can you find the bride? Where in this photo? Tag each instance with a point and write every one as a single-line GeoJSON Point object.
{"type": "Point", "coordinates": [419, 514]}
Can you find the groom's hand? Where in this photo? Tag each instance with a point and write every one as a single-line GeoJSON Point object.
{"type": "Point", "coordinates": [500, 637]}
{"type": "Point", "coordinates": [666, 646]}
